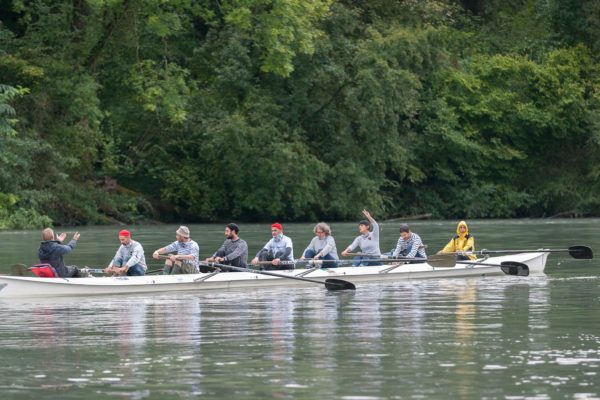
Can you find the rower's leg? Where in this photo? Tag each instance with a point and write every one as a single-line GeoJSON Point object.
{"type": "Point", "coordinates": [168, 268]}
{"type": "Point", "coordinates": [136, 270]}
{"type": "Point", "coordinates": [328, 261]}
{"type": "Point", "coordinates": [266, 256]}
{"type": "Point", "coordinates": [188, 267]}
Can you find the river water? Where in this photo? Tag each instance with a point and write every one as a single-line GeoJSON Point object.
{"type": "Point", "coordinates": [505, 337]}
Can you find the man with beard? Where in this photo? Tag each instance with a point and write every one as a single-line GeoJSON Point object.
{"type": "Point", "coordinates": [129, 259]}
{"type": "Point", "coordinates": [233, 251]}
{"type": "Point", "coordinates": [187, 257]}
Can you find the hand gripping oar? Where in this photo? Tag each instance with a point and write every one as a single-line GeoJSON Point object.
{"type": "Point", "coordinates": [578, 252]}
{"type": "Point", "coordinates": [508, 267]}
{"type": "Point", "coordinates": [330, 284]}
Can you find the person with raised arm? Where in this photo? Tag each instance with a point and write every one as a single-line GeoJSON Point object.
{"type": "Point", "coordinates": [51, 251]}
{"type": "Point", "coordinates": [367, 241]}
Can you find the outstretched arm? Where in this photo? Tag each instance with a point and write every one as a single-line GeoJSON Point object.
{"type": "Point", "coordinates": [369, 217]}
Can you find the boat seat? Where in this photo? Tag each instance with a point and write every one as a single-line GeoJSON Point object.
{"type": "Point", "coordinates": [44, 271]}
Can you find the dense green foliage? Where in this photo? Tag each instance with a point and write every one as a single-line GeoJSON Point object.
{"type": "Point", "coordinates": [297, 109]}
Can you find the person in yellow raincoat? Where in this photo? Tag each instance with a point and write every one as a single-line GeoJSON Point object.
{"type": "Point", "coordinates": [463, 241]}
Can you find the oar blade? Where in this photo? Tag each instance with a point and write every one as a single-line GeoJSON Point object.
{"type": "Point", "coordinates": [339, 284]}
{"type": "Point", "coordinates": [514, 268]}
{"type": "Point", "coordinates": [17, 269]}
{"type": "Point", "coordinates": [442, 261]}
{"type": "Point", "coordinates": [581, 252]}
{"type": "Point", "coordinates": [206, 268]}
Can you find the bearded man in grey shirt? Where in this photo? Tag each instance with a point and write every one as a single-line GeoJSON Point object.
{"type": "Point", "coordinates": [368, 241]}
{"type": "Point", "coordinates": [233, 251]}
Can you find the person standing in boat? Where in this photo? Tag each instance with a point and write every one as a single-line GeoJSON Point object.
{"type": "Point", "coordinates": [233, 251]}
{"type": "Point", "coordinates": [277, 251]}
{"type": "Point", "coordinates": [52, 250]}
{"type": "Point", "coordinates": [462, 242]}
{"type": "Point", "coordinates": [129, 259]}
{"type": "Point", "coordinates": [367, 241]}
{"type": "Point", "coordinates": [409, 244]}
{"type": "Point", "coordinates": [322, 246]}
{"type": "Point", "coordinates": [187, 257]}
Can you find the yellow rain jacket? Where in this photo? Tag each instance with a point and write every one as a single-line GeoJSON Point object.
{"type": "Point", "coordinates": [461, 242]}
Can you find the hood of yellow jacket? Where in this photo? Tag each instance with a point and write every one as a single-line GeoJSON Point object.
{"type": "Point", "coordinates": [463, 223]}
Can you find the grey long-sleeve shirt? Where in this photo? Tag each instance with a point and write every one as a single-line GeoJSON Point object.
{"type": "Point", "coordinates": [325, 246]}
{"type": "Point", "coordinates": [369, 243]}
{"type": "Point", "coordinates": [232, 249]}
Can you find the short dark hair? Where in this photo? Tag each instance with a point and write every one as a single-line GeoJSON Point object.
{"type": "Point", "coordinates": [404, 228]}
{"type": "Point", "coordinates": [233, 227]}
{"type": "Point", "coordinates": [366, 223]}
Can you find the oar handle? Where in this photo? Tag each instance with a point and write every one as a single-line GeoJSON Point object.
{"type": "Point", "coordinates": [166, 256]}
{"type": "Point", "coordinates": [287, 262]}
{"type": "Point", "coordinates": [93, 270]}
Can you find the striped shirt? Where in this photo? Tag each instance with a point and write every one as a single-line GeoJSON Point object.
{"type": "Point", "coordinates": [412, 246]}
{"type": "Point", "coordinates": [185, 248]}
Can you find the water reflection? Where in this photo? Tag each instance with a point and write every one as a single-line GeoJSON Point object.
{"type": "Point", "coordinates": [478, 337]}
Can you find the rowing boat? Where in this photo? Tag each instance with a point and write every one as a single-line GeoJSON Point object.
{"type": "Point", "coordinates": [24, 286]}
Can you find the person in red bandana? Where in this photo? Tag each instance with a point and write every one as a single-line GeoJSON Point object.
{"type": "Point", "coordinates": [278, 253]}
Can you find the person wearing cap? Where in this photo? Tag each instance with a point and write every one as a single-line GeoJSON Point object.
{"type": "Point", "coordinates": [187, 257]}
{"type": "Point", "coordinates": [129, 259]}
{"type": "Point", "coordinates": [322, 246]}
{"type": "Point", "coordinates": [52, 250]}
{"type": "Point", "coordinates": [461, 243]}
{"type": "Point", "coordinates": [409, 244]}
{"type": "Point", "coordinates": [367, 241]}
{"type": "Point", "coordinates": [277, 250]}
{"type": "Point", "coordinates": [233, 251]}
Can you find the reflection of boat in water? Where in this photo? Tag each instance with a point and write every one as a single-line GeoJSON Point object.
{"type": "Point", "coordinates": [20, 286]}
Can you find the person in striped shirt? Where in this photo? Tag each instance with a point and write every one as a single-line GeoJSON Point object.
{"type": "Point", "coordinates": [409, 244]}
{"type": "Point", "coordinates": [186, 259]}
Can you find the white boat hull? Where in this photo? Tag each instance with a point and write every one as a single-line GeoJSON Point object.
{"type": "Point", "coordinates": [19, 286]}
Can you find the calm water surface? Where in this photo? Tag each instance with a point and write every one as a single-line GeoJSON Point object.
{"type": "Point", "coordinates": [478, 338]}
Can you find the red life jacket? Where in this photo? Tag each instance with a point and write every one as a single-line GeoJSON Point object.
{"type": "Point", "coordinates": [44, 271]}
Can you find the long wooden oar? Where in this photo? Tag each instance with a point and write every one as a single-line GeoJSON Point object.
{"type": "Point", "coordinates": [508, 267]}
{"type": "Point", "coordinates": [578, 252]}
{"type": "Point", "coordinates": [330, 284]}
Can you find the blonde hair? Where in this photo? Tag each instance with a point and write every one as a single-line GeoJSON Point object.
{"type": "Point", "coordinates": [47, 234]}
{"type": "Point", "coordinates": [322, 226]}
